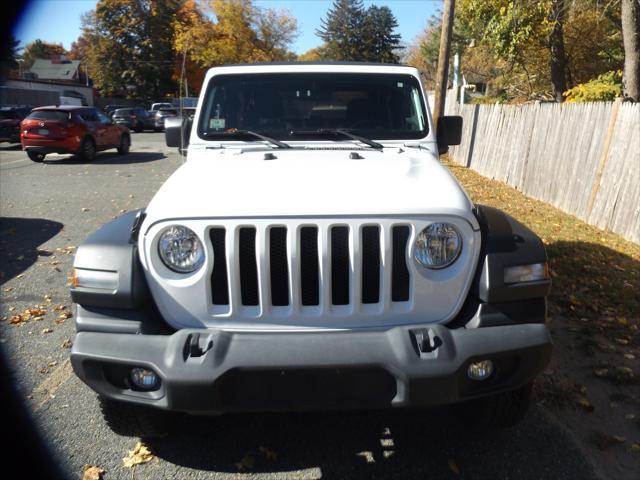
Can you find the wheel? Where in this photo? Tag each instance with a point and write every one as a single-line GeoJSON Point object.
{"type": "Point", "coordinates": [36, 156]}
{"type": "Point", "coordinates": [88, 150]}
{"type": "Point", "coordinates": [131, 420]}
{"type": "Point", "coordinates": [498, 411]}
{"type": "Point", "coordinates": [125, 143]}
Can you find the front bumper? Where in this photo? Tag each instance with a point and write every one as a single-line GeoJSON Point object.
{"type": "Point", "coordinates": [260, 371]}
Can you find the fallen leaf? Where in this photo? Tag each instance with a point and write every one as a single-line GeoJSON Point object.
{"type": "Point", "coordinates": [59, 308]}
{"type": "Point", "coordinates": [66, 314]}
{"type": "Point", "coordinates": [47, 330]}
{"type": "Point", "coordinates": [268, 453]}
{"type": "Point", "coordinates": [16, 320]}
{"type": "Point", "coordinates": [601, 372]}
{"type": "Point", "coordinates": [586, 405]}
{"type": "Point", "coordinates": [139, 454]}
{"type": "Point", "coordinates": [68, 343]}
{"type": "Point", "coordinates": [84, 209]}
{"type": "Point", "coordinates": [247, 462]}
{"type": "Point", "coordinates": [454, 467]}
{"type": "Point", "coordinates": [92, 472]}
{"type": "Point", "coordinates": [635, 447]}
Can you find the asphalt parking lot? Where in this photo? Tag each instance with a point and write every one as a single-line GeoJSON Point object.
{"type": "Point", "coordinates": [47, 210]}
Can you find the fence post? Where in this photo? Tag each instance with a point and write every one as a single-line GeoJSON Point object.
{"type": "Point", "coordinates": [603, 156]}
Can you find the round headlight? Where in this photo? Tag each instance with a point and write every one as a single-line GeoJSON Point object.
{"type": "Point", "coordinates": [180, 249]}
{"type": "Point", "coordinates": [438, 245]}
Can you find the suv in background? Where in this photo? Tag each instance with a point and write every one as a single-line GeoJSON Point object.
{"type": "Point", "coordinates": [158, 106]}
{"type": "Point", "coordinates": [161, 114]}
{"type": "Point", "coordinates": [10, 118]}
{"type": "Point", "coordinates": [136, 119]}
{"type": "Point", "coordinates": [71, 129]}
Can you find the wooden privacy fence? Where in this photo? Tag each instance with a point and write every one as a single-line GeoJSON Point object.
{"type": "Point", "coordinates": [583, 158]}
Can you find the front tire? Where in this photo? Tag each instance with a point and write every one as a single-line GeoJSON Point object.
{"type": "Point", "coordinates": [131, 420]}
{"type": "Point", "coordinates": [498, 411]}
{"type": "Point", "coordinates": [125, 144]}
{"type": "Point", "coordinates": [36, 156]}
{"type": "Point", "coordinates": [88, 150]}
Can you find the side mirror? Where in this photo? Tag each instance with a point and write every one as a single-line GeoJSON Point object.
{"type": "Point", "coordinates": [449, 132]}
{"type": "Point", "coordinates": [177, 131]}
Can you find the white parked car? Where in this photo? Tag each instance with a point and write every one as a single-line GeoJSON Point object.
{"type": "Point", "coordinates": [311, 253]}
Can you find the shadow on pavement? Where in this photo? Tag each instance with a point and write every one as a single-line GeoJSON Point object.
{"type": "Point", "coordinates": [19, 239]}
{"type": "Point", "coordinates": [376, 444]}
{"type": "Point", "coordinates": [110, 158]}
{"type": "Point", "coordinates": [10, 147]}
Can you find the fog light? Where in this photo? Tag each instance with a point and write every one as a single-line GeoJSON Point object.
{"type": "Point", "coordinates": [143, 378]}
{"type": "Point", "coordinates": [480, 370]}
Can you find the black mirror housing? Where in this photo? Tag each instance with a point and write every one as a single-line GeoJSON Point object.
{"type": "Point", "coordinates": [448, 132]}
{"type": "Point", "coordinates": [177, 131]}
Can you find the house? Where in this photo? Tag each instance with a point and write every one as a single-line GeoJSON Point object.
{"type": "Point", "coordinates": [58, 70]}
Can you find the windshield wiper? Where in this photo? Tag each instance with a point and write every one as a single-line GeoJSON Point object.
{"type": "Point", "coordinates": [338, 131]}
{"type": "Point", "coordinates": [234, 133]}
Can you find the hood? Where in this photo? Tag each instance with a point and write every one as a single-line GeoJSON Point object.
{"type": "Point", "coordinates": [236, 183]}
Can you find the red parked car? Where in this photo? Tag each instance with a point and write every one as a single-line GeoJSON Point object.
{"type": "Point", "coordinates": [71, 129]}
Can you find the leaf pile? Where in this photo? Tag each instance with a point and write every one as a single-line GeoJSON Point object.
{"type": "Point", "coordinates": [596, 274]}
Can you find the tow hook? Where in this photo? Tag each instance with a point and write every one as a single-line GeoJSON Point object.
{"type": "Point", "coordinates": [193, 347]}
{"type": "Point", "coordinates": [426, 340]}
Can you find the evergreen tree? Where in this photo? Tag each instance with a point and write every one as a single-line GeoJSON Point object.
{"type": "Point", "coordinates": [352, 33]}
{"type": "Point", "coordinates": [380, 40]}
{"type": "Point", "coordinates": [343, 31]}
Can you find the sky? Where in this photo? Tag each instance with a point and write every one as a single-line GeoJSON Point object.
{"type": "Point", "coordinates": [58, 21]}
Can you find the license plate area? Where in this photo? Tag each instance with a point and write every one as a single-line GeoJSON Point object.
{"type": "Point", "coordinates": [42, 131]}
{"type": "Point", "coordinates": [306, 388]}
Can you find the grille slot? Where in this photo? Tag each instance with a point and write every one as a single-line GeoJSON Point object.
{"type": "Point", "coordinates": [278, 263]}
{"type": "Point", "coordinates": [219, 281]}
{"type": "Point", "coordinates": [340, 265]}
{"type": "Point", "coordinates": [309, 266]}
{"type": "Point", "coordinates": [370, 264]}
{"type": "Point", "coordinates": [248, 266]}
{"type": "Point", "coordinates": [399, 271]}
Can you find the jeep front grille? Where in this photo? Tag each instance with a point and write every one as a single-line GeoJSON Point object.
{"type": "Point", "coordinates": [322, 267]}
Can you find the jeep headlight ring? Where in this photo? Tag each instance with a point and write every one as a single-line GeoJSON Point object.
{"type": "Point", "coordinates": [180, 249]}
{"type": "Point", "coordinates": [438, 245]}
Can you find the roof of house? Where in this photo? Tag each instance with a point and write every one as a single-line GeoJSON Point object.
{"type": "Point", "coordinates": [55, 69]}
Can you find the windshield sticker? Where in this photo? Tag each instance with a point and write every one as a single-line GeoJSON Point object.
{"type": "Point", "coordinates": [216, 123]}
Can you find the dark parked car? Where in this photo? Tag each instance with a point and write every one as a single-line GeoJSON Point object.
{"type": "Point", "coordinates": [136, 119]}
{"type": "Point", "coordinates": [109, 109]}
{"type": "Point", "coordinates": [10, 118]}
{"type": "Point", "coordinates": [71, 129]}
{"type": "Point", "coordinates": [161, 114]}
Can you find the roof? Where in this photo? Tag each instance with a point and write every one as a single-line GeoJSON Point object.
{"type": "Point", "coordinates": [55, 69]}
{"type": "Point", "coordinates": [313, 67]}
{"type": "Point", "coordinates": [318, 62]}
{"type": "Point", "coordinates": [62, 107]}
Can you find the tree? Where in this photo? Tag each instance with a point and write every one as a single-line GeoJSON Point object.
{"type": "Point", "coordinates": [41, 49]}
{"type": "Point", "coordinates": [79, 48]}
{"type": "Point", "coordinates": [9, 56]}
{"type": "Point", "coordinates": [352, 33]}
{"type": "Point", "coordinates": [631, 34]}
{"type": "Point", "coordinates": [343, 30]}
{"type": "Point", "coordinates": [538, 49]}
{"type": "Point", "coordinates": [240, 33]}
{"type": "Point", "coordinates": [381, 41]}
{"type": "Point", "coordinates": [131, 47]}
{"type": "Point", "coordinates": [557, 58]}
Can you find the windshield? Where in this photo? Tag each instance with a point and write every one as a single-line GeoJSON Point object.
{"type": "Point", "coordinates": [59, 115]}
{"type": "Point", "coordinates": [380, 106]}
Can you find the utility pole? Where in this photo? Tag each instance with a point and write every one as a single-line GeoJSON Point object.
{"type": "Point", "coordinates": [443, 60]}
